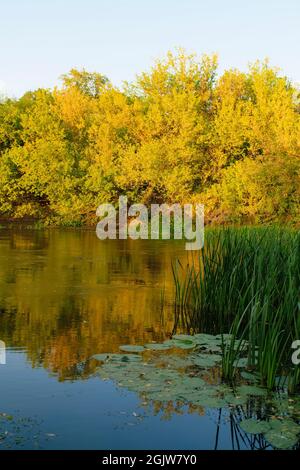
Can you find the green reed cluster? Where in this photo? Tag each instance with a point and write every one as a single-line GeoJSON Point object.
{"type": "Point", "coordinates": [246, 281]}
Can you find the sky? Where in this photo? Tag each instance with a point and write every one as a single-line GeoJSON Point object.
{"type": "Point", "coordinates": [42, 39]}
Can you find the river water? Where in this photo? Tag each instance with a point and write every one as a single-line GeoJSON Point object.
{"type": "Point", "coordinates": [65, 296]}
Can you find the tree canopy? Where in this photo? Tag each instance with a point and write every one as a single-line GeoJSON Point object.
{"type": "Point", "coordinates": [179, 133]}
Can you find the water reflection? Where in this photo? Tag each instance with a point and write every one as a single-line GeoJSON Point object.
{"type": "Point", "coordinates": [65, 295]}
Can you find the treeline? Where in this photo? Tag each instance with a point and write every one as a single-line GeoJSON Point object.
{"type": "Point", "coordinates": [180, 133]}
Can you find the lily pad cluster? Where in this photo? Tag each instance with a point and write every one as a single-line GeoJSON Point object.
{"type": "Point", "coordinates": [280, 433]}
{"type": "Point", "coordinates": [180, 370]}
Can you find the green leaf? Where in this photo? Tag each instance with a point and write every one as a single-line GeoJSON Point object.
{"type": "Point", "coordinates": [204, 337]}
{"type": "Point", "coordinates": [117, 357]}
{"type": "Point", "coordinates": [183, 337]}
{"type": "Point", "coordinates": [206, 360]}
{"type": "Point", "coordinates": [249, 377]}
{"type": "Point", "coordinates": [158, 346]}
{"type": "Point", "coordinates": [253, 426]}
{"type": "Point", "coordinates": [132, 348]}
{"type": "Point", "coordinates": [281, 440]}
{"type": "Point", "coordinates": [211, 402]}
{"type": "Point", "coordinates": [182, 344]}
{"type": "Point", "coordinates": [241, 362]}
{"type": "Point", "coordinates": [251, 390]}
{"type": "Point", "coordinates": [234, 400]}
{"type": "Point", "coordinates": [285, 425]}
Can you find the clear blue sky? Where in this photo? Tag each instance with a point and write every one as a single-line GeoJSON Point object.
{"type": "Point", "coordinates": [42, 39]}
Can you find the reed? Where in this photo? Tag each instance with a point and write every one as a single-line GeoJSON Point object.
{"type": "Point", "coordinates": [245, 281]}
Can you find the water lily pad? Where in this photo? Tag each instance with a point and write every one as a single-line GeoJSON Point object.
{"type": "Point", "coordinates": [251, 390]}
{"type": "Point", "coordinates": [208, 343]}
{"type": "Point", "coordinates": [241, 362]}
{"type": "Point", "coordinates": [284, 405]}
{"type": "Point", "coordinates": [253, 426]}
{"type": "Point", "coordinates": [211, 402]}
{"type": "Point", "coordinates": [204, 337]}
{"type": "Point", "coordinates": [206, 360]}
{"type": "Point", "coordinates": [284, 425]}
{"type": "Point", "coordinates": [226, 337]}
{"type": "Point", "coordinates": [249, 377]}
{"type": "Point", "coordinates": [236, 345]}
{"type": "Point", "coordinates": [194, 382]}
{"type": "Point", "coordinates": [224, 388]}
{"type": "Point", "coordinates": [196, 396]}
{"type": "Point", "coordinates": [165, 395]}
{"type": "Point", "coordinates": [183, 337]}
{"type": "Point", "coordinates": [210, 348]}
{"type": "Point", "coordinates": [235, 400]}
{"type": "Point", "coordinates": [158, 346]}
{"type": "Point", "coordinates": [187, 394]}
{"type": "Point", "coordinates": [131, 348]}
{"type": "Point", "coordinates": [117, 357]}
{"type": "Point", "coordinates": [210, 391]}
{"type": "Point", "coordinates": [102, 357]}
{"type": "Point", "coordinates": [281, 440]}
{"type": "Point", "coordinates": [128, 358]}
{"type": "Point", "coordinates": [182, 344]}
{"type": "Point", "coordinates": [173, 361]}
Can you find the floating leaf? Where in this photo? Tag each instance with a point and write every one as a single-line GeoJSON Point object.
{"type": "Point", "coordinates": [117, 357]}
{"type": "Point", "coordinates": [210, 348]}
{"type": "Point", "coordinates": [182, 344]}
{"type": "Point", "coordinates": [131, 348]}
{"type": "Point", "coordinates": [241, 362]}
{"type": "Point", "coordinates": [102, 357]}
{"type": "Point", "coordinates": [173, 361]}
{"type": "Point", "coordinates": [284, 425]}
{"type": "Point", "coordinates": [183, 337]}
{"type": "Point", "coordinates": [204, 337]}
{"type": "Point", "coordinates": [128, 358]}
{"type": "Point", "coordinates": [194, 382]}
{"type": "Point", "coordinates": [253, 426]}
{"type": "Point", "coordinates": [226, 337]}
{"type": "Point", "coordinates": [199, 397]}
{"type": "Point", "coordinates": [223, 388]}
{"type": "Point", "coordinates": [158, 346]}
{"type": "Point", "coordinates": [211, 341]}
{"type": "Point", "coordinates": [211, 402]}
{"type": "Point", "coordinates": [251, 390]}
{"type": "Point", "coordinates": [206, 360]}
{"type": "Point", "coordinates": [248, 376]}
{"type": "Point", "coordinates": [283, 405]}
{"type": "Point", "coordinates": [165, 395]}
{"type": "Point", "coordinates": [235, 400]}
{"type": "Point", "coordinates": [281, 440]}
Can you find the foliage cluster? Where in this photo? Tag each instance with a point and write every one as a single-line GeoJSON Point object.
{"type": "Point", "coordinates": [179, 133]}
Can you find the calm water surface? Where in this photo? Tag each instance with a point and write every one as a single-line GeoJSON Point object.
{"type": "Point", "coordinates": [64, 296]}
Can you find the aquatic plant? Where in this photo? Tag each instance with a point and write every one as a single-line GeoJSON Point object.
{"type": "Point", "coordinates": [181, 376]}
{"type": "Point", "coordinates": [245, 282]}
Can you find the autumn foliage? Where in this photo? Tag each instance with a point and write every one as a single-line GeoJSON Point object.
{"type": "Point", "coordinates": [180, 133]}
